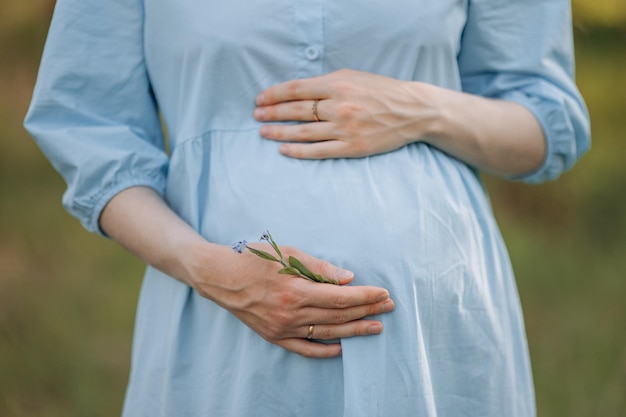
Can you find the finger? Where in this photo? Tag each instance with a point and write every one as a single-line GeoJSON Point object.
{"type": "Point", "coordinates": [314, 294]}
{"type": "Point", "coordinates": [319, 150]}
{"type": "Point", "coordinates": [328, 296]}
{"type": "Point", "coordinates": [351, 329]}
{"type": "Point", "coordinates": [322, 267]}
{"type": "Point", "coordinates": [302, 89]}
{"type": "Point", "coordinates": [310, 349]}
{"type": "Point", "coordinates": [301, 110]}
{"type": "Point", "coordinates": [344, 315]}
{"type": "Point", "coordinates": [303, 132]}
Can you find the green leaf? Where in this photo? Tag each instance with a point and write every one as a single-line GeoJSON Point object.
{"type": "Point", "coordinates": [294, 262]}
{"type": "Point", "coordinates": [274, 245]}
{"type": "Point", "coordinates": [289, 270]}
{"type": "Point", "coordinates": [306, 273]}
{"type": "Point", "coordinates": [319, 277]}
{"type": "Point", "coordinates": [262, 254]}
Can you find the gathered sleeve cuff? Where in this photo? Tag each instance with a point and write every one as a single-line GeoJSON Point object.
{"type": "Point", "coordinates": [562, 147]}
{"type": "Point", "coordinates": [90, 213]}
{"type": "Point", "coordinates": [523, 52]}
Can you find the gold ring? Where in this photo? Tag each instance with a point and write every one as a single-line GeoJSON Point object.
{"type": "Point", "coordinates": [310, 335]}
{"type": "Point", "coordinates": [314, 110]}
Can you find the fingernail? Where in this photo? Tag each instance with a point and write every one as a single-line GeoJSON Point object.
{"type": "Point", "coordinates": [388, 306]}
{"type": "Point", "coordinates": [259, 114]}
{"type": "Point", "coordinates": [382, 297]}
{"type": "Point", "coordinates": [343, 274]}
{"type": "Point", "coordinates": [260, 99]}
{"type": "Point", "coordinates": [375, 329]}
{"type": "Point", "coordinates": [264, 131]}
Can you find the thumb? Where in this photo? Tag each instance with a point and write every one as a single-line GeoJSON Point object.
{"type": "Point", "coordinates": [334, 272]}
{"type": "Point", "coordinates": [324, 268]}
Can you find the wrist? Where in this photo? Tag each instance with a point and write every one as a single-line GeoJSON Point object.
{"type": "Point", "coordinates": [431, 105]}
{"type": "Point", "coordinates": [198, 261]}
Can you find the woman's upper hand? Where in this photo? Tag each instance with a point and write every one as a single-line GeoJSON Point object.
{"type": "Point", "coordinates": [360, 114]}
{"type": "Point", "coordinates": [282, 308]}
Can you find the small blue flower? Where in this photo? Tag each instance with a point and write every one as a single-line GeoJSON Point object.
{"type": "Point", "coordinates": [240, 246]}
{"type": "Point", "coordinates": [266, 236]}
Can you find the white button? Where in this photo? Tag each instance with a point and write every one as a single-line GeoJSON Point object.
{"type": "Point", "coordinates": [312, 53]}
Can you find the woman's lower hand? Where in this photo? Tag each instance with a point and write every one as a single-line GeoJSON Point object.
{"type": "Point", "coordinates": [350, 114]}
{"type": "Point", "coordinates": [290, 311]}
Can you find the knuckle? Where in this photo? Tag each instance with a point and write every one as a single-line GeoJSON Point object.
{"type": "Point", "coordinates": [293, 297]}
{"type": "Point", "coordinates": [270, 112]}
{"type": "Point", "coordinates": [348, 110]}
{"type": "Point", "coordinates": [343, 86]}
{"type": "Point", "coordinates": [341, 301]}
{"type": "Point", "coordinates": [318, 265]}
{"type": "Point", "coordinates": [339, 317]}
{"type": "Point", "coordinates": [304, 108]}
{"type": "Point", "coordinates": [277, 132]}
{"type": "Point", "coordinates": [324, 333]}
{"type": "Point", "coordinates": [293, 88]}
{"type": "Point", "coordinates": [361, 331]}
{"type": "Point", "coordinates": [304, 132]}
{"type": "Point", "coordinates": [287, 299]}
{"type": "Point", "coordinates": [376, 309]}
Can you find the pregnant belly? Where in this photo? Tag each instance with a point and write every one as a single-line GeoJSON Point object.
{"type": "Point", "coordinates": [393, 212]}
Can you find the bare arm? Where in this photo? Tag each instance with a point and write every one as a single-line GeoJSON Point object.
{"type": "Point", "coordinates": [365, 114]}
{"type": "Point", "coordinates": [277, 307]}
{"type": "Point", "coordinates": [496, 136]}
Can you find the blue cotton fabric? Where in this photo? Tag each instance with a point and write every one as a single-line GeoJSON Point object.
{"type": "Point", "coordinates": [415, 221]}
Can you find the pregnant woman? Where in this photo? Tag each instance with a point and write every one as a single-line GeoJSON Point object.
{"type": "Point", "coordinates": [354, 131]}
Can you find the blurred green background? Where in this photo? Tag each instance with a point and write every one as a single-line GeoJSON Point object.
{"type": "Point", "coordinates": [67, 298]}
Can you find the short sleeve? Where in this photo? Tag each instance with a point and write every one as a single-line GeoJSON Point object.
{"type": "Point", "coordinates": [93, 113]}
{"type": "Point", "coordinates": [522, 51]}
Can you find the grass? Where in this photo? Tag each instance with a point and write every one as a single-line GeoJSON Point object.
{"type": "Point", "coordinates": [67, 298]}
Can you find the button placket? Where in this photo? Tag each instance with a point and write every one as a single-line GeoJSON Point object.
{"type": "Point", "coordinates": [310, 32]}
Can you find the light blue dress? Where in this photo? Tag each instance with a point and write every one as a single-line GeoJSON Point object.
{"type": "Point", "coordinates": [415, 221]}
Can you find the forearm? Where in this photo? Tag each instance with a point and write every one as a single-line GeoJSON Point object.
{"type": "Point", "coordinates": [496, 136]}
{"type": "Point", "coordinates": [139, 220]}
